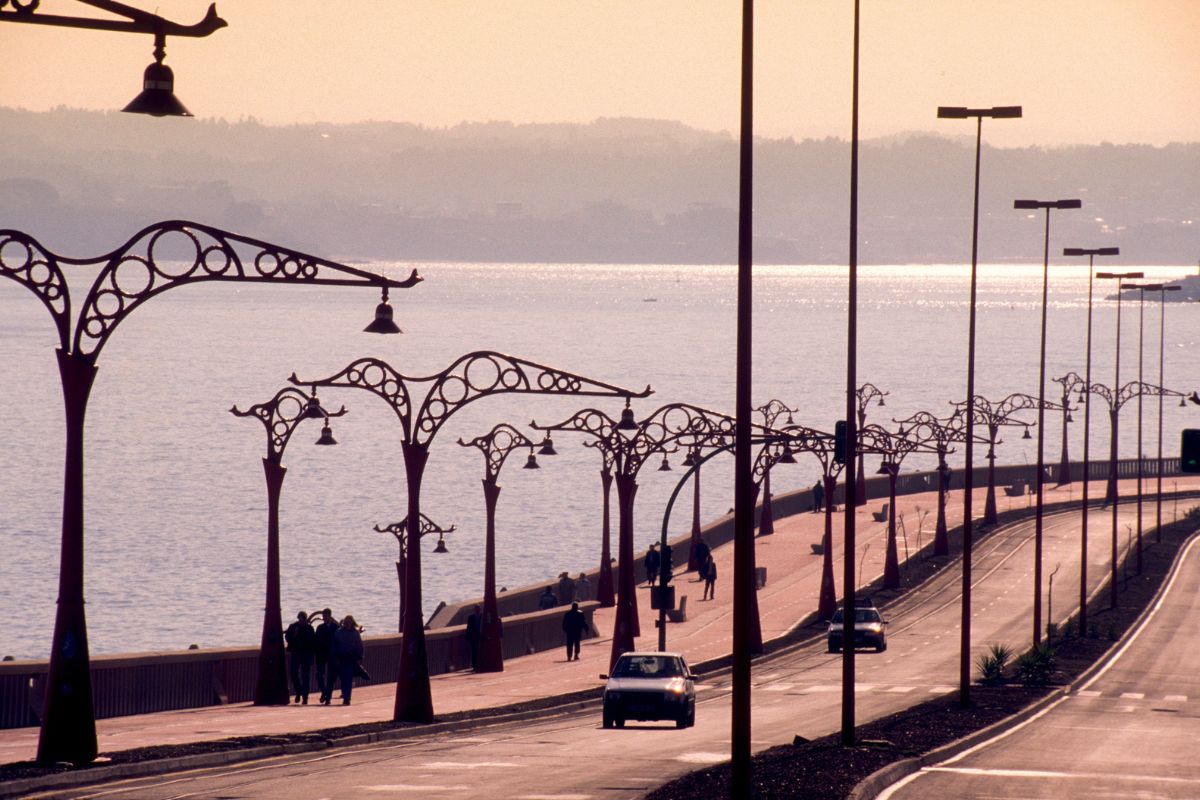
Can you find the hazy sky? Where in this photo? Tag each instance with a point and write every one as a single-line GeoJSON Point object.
{"type": "Point", "coordinates": [1084, 70]}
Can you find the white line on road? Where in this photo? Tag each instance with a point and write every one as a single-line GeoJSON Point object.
{"type": "Point", "coordinates": [1041, 774]}
{"type": "Point", "coordinates": [1132, 696]}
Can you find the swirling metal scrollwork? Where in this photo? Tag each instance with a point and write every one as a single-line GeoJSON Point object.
{"type": "Point", "coordinates": [281, 415]}
{"type": "Point", "coordinates": [496, 445]}
{"type": "Point", "coordinates": [1130, 391]}
{"type": "Point", "coordinates": [400, 529]}
{"type": "Point", "coordinates": [28, 263]}
{"type": "Point", "coordinates": [377, 377]}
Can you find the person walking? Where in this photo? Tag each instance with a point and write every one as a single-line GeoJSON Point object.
{"type": "Point", "coordinates": [710, 579]}
{"type": "Point", "coordinates": [583, 588]}
{"type": "Point", "coordinates": [651, 563]}
{"type": "Point", "coordinates": [323, 653]}
{"type": "Point", "coordinates": [301, 642]}
{"type": "Point", "coordinates": [348, 648]}
{"type": "Point", "coordinates": [574, 625]}
{"type": "Point", "coordinates": [473, 628]}
{"type": "Point", "coordinates": [818, 491]}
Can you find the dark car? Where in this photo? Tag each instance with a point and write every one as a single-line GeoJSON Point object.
{"type": "Point", "coordinates": [868, 629]}
{"type": "Point", "coordinates": [650, 686]}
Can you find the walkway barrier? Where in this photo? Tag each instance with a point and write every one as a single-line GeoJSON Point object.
{"type": "Point", "coordinates": [142, 683]}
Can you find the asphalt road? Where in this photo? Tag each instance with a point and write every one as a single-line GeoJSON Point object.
{"type": "Point", "coordinates": [570, 757]}
{"type": "Point", "coordinates": [1128, 732]}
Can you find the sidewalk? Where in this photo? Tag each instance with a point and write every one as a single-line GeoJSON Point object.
{"type": "Point", "coordinates": [791, 593]}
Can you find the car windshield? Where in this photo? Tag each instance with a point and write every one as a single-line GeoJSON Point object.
{"type": "Point", "coordinates": [860, 615]}
{"type": "Point", "coordinates": [648, 667]}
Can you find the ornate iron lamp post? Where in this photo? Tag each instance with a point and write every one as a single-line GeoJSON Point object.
{"type": "Point", "coordinates": [1087, 426]}
{"type": "Point", "coordinates": [993, 416]}
{"type": "Point", "coordinates": [1071, 383]}
{"type": "Point", "coordinates": [941, 433]}
{"type": "Point", "coordinates": [128, 277]}
{"type": "Point", "coordinates": [864, 395]}
{"type": "Point", "coordinates": [280, 416]}
{"type": "Point", "coordinates": [495, 445]}
{"type": "Point", "coordinates": [959, 112]}
{"type": "Point", "coordinates": [894, 448]}
{"type": "Point", "coordinates": [772, 410]}
{"type": "Point", "coordinates": [606, 593]}
{"type": "Point", "coordinates": [830, 469]}
{"type": "Point", "coordinates": [470, 377]}
{"type": "Point", "coordinates": [1038, 525]}
{"type": "Point", "coordinates": [400, 531]}
{"type": "Point", "coordinates": [158, 96]}
{"type": "Point", "coordinates": [1115, 402]}
{"type": "Point", "coordinates": [630, 444]}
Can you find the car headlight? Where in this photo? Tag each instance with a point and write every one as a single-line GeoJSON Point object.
{"type": "Point", "coordinates": [875, 627]}
{"type": "Point", "coordinates": [676, 686]}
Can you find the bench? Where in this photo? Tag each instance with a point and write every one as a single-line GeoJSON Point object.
{"type": "Point", "coordinates": [678, 614]}
{"type": "Point", "coordinates": [1017, 489]}
{"type": "Point", "coordinates": [882, 514]}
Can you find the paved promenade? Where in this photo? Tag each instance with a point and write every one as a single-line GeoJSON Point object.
{"type": "Point", "coordinates": [791, 591]}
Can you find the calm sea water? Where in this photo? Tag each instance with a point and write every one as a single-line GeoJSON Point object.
{"type": "Point", "coordinates": [176, 505]}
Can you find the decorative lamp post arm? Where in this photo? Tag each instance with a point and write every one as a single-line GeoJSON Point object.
{"type": "Point", "coordinates": [138, 21]}
{"type": "Point", "coordinates": [28, 263]}
{"type": "Point", "coordinates": [487, 372]}
{"type": "Point", "coordinates": [282, 414]}
{"type": "Point", "coordinates": [377, 377]}
{"type": "Point", "coordinates": [496, 445]}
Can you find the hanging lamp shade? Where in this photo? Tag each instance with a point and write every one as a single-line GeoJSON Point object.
{"type": "Point", "coordinates": [157, 97]}
{"type": "Point", "coordinates": [1026, 435]}
{"type": "Point", "coordinates": [326, 436]}
{"type": "Point", "coordinates": [665, 466]}
{"type": "Point", "coordinates": [690, 459]}
{"type": "Point", "coordinates": [531, 462]}
{"type": "Point", "coordinates": [441, 545]}
{"type": "Point", "coordinates": [627, 423]}
{"type": "Point", "coordinates": [547, 447]}
{"type": "Point", "coordinates": [883, 468]}
{"type": "Point", "coordinates": [383, 322]}
{"type": "Point", "coordinates": [787, 457]}
{"type": "Point", "coordinates": [312, 409]}
{"type": "Point", "coordinates": [881, 403]}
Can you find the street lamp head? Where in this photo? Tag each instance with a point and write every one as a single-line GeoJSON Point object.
{"type": "Point", "coordinates": [312, 409]}
{"type": "Point", "coordinates": [884, 467]}
{"type": "Point", "coordinates": [1027, 434]}
{"type": "Point", "coordinates": [1119, 275]}
{"type": "Point", "coordinates": [157, 97]}
{"type": "Point", "coordinates": [627, 423]}
{"type": "Point", "coordinates": [1047, 204]}
{"type": "Point", "coordinates": [383, 322]}
{"type": "Point", "coordinates": [665, 466]}
{"type": "Point", "coordinates": [441, 544]}
{"type": "Point", "coordinates": [952, 112]}
{"type": "Point", "coordinates": [690, 459]}
{"type": "Point", "coordinates": [326, 435]}
{"type": "Point", "coordinates": [1095, 251]}
{"type": "Point", "coordinates": [531, 462]}
{"type": "Point", "coordinates": [995, 112]}
{"type": "Point", "coordinates": [787, 457]}
{"type": "Point", "coordinates": [546, 448]}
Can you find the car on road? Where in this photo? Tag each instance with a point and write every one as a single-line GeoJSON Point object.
{"type": "Point", "coordinates": [650, 686]}
{"type": "Point", "coordinates": [868, 629]}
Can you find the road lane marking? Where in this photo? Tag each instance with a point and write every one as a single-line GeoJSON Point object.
{"type": "Point", "coordinates": [702, 758]}
{"type": "Point", "coordinates": [1176, 698]}
{"type": "Point", "coordinates": [467, 765]}
{"type": "Point", "coordinates": [1041, 774]}
{"type": "Point", "coordinates": [1132, 696]}
{"type": "Point", "coordinates": [1088, 693]}
{"type": "Point", "coordinates": [554, 797]}
{"type": "Point", "coordinates": [900, 689]}
{"type": "Point", "coordinates": [412, 787]}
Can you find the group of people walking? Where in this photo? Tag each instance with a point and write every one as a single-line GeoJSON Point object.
{"type": "Point", "coordinates": [334, 648]}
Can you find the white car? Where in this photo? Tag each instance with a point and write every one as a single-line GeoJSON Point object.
{"type": "Point", "coordinates": [650, 686]}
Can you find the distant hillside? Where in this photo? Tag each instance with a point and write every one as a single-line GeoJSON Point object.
{"type": "Point", "coordinates": [615, 190]}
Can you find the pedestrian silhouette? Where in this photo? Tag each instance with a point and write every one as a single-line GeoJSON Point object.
{"type": "Point", "coordinates": [546, 599]}
{"type": "Point", "coordinates": [473, 626]}
{"type": "Point", "coordinates": [710, 580]}
{"type": "Point", "coordinates": [651, 563]}
{"type": "Point", "coordinates": [818, 492]}
{"type": "Point", "coordinates": [348, 647]}
{"type": "Point", "coordinates": [574, 625]}
{"type": "Point", "coordinates": [302, 647]}
{"type": "Point", "coordinates": [323, 652]}
{"type": "Point", "coordinates": [583, 588]}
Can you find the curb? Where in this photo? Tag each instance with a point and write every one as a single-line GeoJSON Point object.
{"type": "Point", "coordinates": [870, 787]}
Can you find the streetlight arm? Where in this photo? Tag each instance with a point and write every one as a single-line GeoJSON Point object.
{"type": "Point", "coordinates": [37, 269]}
{"type": "Point", "coordinates": [496, 445]}
{"type": "Point", "coordinates": [138, 21]}
{"type": "Point", "coordinates": [281, 415]}
{"type": "Point", "coordinates": [377, 377]}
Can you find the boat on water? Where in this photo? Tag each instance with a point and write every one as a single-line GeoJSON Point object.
{"type": "Point", "coordinates": [1189, 291]}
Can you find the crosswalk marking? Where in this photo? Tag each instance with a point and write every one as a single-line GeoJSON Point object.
{"type": "Point", "coordinates": [1088, 693]}
{"type": "Point", "coordinates": [1176, 698]}
{"type": "Point", "coordinates": [1132, 696]}
{"type": "Point", "coordinates": [900, 689]}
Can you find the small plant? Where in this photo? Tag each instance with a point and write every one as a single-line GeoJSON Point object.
{"type": "Point", "coordinates": [1035, 667]}
{"type": "Point", "coordinates": [991, 665]}
{"type": "Point", "coordinates": [1051, 631]}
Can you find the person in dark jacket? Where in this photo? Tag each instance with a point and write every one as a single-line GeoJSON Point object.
{"type": "Point", "coordinates": [323, 651]}
{"type": "Point", "coordinates": [702, 552]}
{"type": "Point", "coordinates": [473, 631]}
{"type": "Point", "coordinates": [710, 580]}
{"type": "Point", "coordinates": [301, 646]}
{"type": "Point", "coordinates": [348, 648]}
{"type": "Point", "coordinates": [547, 599]}
{"type": "Point", "coordinates": [818, 492]}
{"type": "Point", "coordinates": [574, 625]}
{"type": "Point", "coordinates": [651, 563]}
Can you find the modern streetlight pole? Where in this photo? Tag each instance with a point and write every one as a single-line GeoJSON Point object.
{"type": "Point", "coordinates": [471, 376]}
{"type": "Point", "coordinates": [1091, 253]}
{"type": "Point", "coordinates": [1048, 205]}
{"type": "Point", "coordinates": [495, 445]}
{"type": "Point", "coordinates": [128, 276]}
{"type": "Point", "coordinates": [957, 112]}
{"type": "Point", "coordinates": [1111, 494]}
{"type": "Point", "coordinates": [280, 416]}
